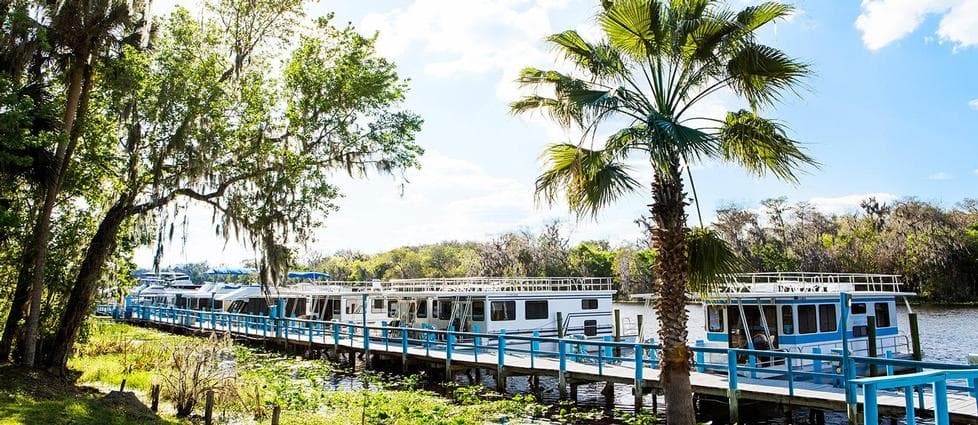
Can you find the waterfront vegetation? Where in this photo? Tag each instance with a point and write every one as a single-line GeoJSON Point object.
{"type": "Point", "coordinates": [935, 248]}
{"type": "Point", "coordinates": [251, 382]}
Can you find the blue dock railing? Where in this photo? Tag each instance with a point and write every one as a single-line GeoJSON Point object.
{"type": "Point", "coordinates": [845, 372]}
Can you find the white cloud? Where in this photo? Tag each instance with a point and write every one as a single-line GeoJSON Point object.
{"type": "Point", "coordinates": [848, 203]}
{"type": "Point", "coordinates": [464, 37]}
{"type": "Point", "coordinates": [973, 104]}
{"type": "Point", "coordinates": [940, 175]}
{"type": "Point", "coordinates": [885, 21]}
{"type": "Point", "coordinates": [976, 171]}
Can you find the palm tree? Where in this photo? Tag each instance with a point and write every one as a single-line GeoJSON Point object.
{"type": "Point", "coordinates": [657, 61]}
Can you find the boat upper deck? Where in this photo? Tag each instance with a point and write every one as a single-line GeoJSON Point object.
{"type": "Point", "coordinates": [795, 284]}
{"type": "Point", "coordinates": [499, 285]}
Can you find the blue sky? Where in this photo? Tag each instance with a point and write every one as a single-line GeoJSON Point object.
{"type": "Point", "coordinates": [891, 112]}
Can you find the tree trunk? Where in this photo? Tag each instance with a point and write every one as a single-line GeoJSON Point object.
{"type": "Point", "coordinates": [79, 89]}
{"type": "Point", "coordinates": [671, 268]}
{"type": "Point", "coordinates": [17, 307]}
{"type": "Point", "coordinates": [102, 246]}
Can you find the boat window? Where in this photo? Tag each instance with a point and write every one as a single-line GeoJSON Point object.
{"type": "Point", "coordinates": [714, 318]}
{"type": "Point", "coordinates": [478, 311]}
{"type": "Point", "coordinates": [445, 310]}
{"type": "Point", "coordinates": [787, 320]}
{"type": "Point", "coordinates": [807, 321]}
{"type": "Point", "coordinates": [590, 327]}
{"type": "Point", "coordinates": [536, 310]}
{"type": "Point", "coordinates": [392, 308]}
{"type": "Point", "coordinates": [422, 309]}
{"type": "Point", "coordinates": [589, 304]}
{"type": "Point", "coordinates": [826, 318]}
{"type": "Point", "coordinates": [859, 308]}
{"type": "Point", "coordinates": [882, 315]}
{"type": "Point", "coordinates": [502, 310]}
{"type": "Point", "coordinates": [378, 306]}
{"type": "Point", "coordinates": [336, 307]}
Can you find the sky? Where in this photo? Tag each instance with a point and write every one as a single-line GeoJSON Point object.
{"type": "Point", "coordinates": [891, 112]}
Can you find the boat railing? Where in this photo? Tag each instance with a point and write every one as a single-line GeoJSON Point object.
{"type": "Point", "coordinates": [811, 282]}
{"type": "Point", "coordinates": [500, 284]}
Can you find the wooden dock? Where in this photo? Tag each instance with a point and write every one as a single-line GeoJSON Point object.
{"type": "Point", "coordinates": [570, 363]}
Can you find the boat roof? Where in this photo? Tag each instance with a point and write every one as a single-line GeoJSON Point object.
{"type": "Point", "coordinates": [804, 284]}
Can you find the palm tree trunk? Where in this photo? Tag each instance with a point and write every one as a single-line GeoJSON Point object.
{"type": "Point", "coordinates": [671, 267]}
{"type": "Point", "coordinates": [17, 306]}
{"type": "Point", "coordinates": [79, 303]}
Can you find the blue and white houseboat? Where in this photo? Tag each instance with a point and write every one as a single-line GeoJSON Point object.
{"type": "Point", "coordinates": [802, 312]}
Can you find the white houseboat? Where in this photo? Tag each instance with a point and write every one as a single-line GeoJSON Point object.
{"type": "Point", "coordinates": [802, 312]}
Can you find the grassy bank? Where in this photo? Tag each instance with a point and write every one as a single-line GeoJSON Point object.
{"type": "Point", "coordinates": [248, 384]}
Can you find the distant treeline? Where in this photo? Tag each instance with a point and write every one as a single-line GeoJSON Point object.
{"type": "Point", "coordinates": [935, 248]}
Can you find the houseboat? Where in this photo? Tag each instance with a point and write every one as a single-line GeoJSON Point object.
{"type": "Point", "coordinates": [802, 312]}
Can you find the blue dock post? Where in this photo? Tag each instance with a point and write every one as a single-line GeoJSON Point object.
{"type": "Point", "coordinates": [608, 351]}
{"type": "Point", "coordinates": [974, 390]}
{"type": "Point", "coordinates": [349, 331]}
{"type": "Point", "coordinates": [501, 361]}
{"type": "Point", "coordinates": [732, 387]}
{"type": "Point", "coordinates": [264, 325]}
{"type": "Point", "coordinates": [653, 357]}
{"type": "Point", "coordinates": [752, 363]}
{"type": "Point", "coordinates": [871, 410]}
{"type": "Point", "coordinates": [851, 407]}
{"type": "Point", "coordinates": [449, 343]}
{"type": "Point", "coordinates": [817, 366]}
{"type": "Point", "coordinates": [336, 340]}
{"type": "Point", "coordinates": [534, 346]}
{"type": "Point", "coordinates": [791, 376]}
{"type": "Point", "coordinates": [475, 342]}
{"type": "Point", "coordinates": [366, 331]}
{"type": "Point", "coordinates": [601, 351]}
{"type": "Point", "coordinates": [941, 415]}
{"type": "Point", "coordinates": [639, 368]}
{"type": "Point", "coordinates": [889, 367]}
{"type": "Point", "coordinates": [700, 357]}
{"type": "Point", "coordinates": [383, 333]}
{"type": "Point", "coordinates": [404, 347]}
{"type": "Point", "coordinates": [908, 399]}
{"type": "Point", "coordinates": [561, 372]}
{"type": "Point", "coordinates": [309, 329]}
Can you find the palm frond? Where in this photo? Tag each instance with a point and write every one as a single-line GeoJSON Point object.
{"type": "Point", "coordinates": [710, 259]}
{"type": "Point", "coordinates": [762, 73]}
{"type": "Point", "coordinates": [754, 17]}
{"type": "Point", "coordinates": [600, 60]}
{"type": "Point", "coordinates": [636, 27]}
{"type": "Point", "coordinates": [589, 179]}
{"type": "Point", "coordinates": [760, 146]}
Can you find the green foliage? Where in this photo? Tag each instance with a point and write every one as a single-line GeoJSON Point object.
{"type": "Point", "coordinates": [266, 379]}
{"type": "Point", "coordinates": [935, 249]}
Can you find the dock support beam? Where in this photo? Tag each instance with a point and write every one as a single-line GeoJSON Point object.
{"type": "Point", "coordinates": [639, 368]}
{"type": "Point", "coordinates": [500, 365]}
{"type": "Point", "coordinates": [915, 337]}
{"type": "Point", "coordinates": [732, 387]}
{"type": "Point", "coordinates": [617, 331]}
{"type": "Point", "coordinates": [561, 377]}
{"type": "Point", "coordinates": [871, 342]}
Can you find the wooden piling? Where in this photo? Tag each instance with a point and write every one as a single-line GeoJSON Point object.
{"type": "Point", "coordinates": [560, 325]}
{"type": "Point", "coordinates": [123, 386]}
{"type": "Point", "coordinates": [276, 414]}
{"type": "Point", "coordinates": [871, 342]}
{"type": "Point", "coordinates": [617, 330]}
{"type": "Point", "coordinates": [209, 408]}
{"type": "Point", "coordinates": [573, 391]}
{"type": "Point", "coordinates": [155, 398]}
{"type": "Point", "coordinates": [915, 337]}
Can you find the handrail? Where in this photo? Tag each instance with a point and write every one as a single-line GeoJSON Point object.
{"type": "Point", "coordinates": [810, 282]}
{"type": "Point", "coordinates": [795, 367]}
{"type": "Point", "coordinates": [936, 378]}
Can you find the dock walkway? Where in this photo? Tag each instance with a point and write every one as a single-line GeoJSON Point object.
{"type": "Point", "coordinates": [575, 361]}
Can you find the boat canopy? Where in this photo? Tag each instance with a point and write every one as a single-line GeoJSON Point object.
{"type": "Point", "coordinates": [308, 275]}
